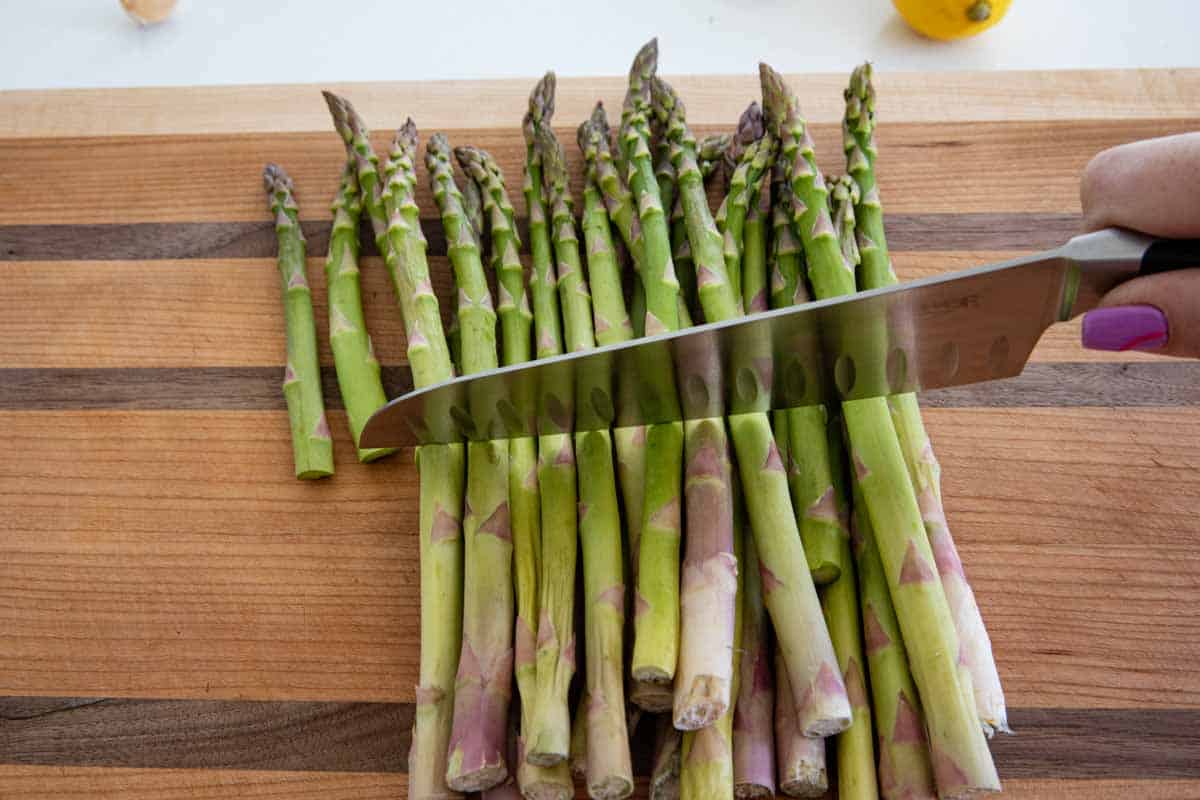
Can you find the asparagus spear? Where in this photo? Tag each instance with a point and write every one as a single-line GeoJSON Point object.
{"type": "Point", "coordinates": [753, 734]}
{"type": "Point", "coordinates": [711, 153]}
{"type": "Point", "coordinates": [904, 769]}
{"type": "Point", "coordinates": [542, 281]}
{"type": "Point", "coordinates": [754, 247]}
{"type": "Point", "coordinates": [855, 755]}
{"type": "Point", "coordinates": [483, 684]}
{"type": "Point", "coordinates": [440, 467]}
{"type": "Point", "coordinates": [706, 767]}
{"type": "Point", "coordinates": [630, 442]}
{"type": "Point", "coordinates": [801, 758]}
{"type": "Point", "coordinates": [876, 272]}
{"type": "Point", "coordinates": [745, 160]}
{"type": "Point", "coordinates": [609, 770]}
{"type": "Point", "coordinates": [961, 761]}
{"type": "Point", "coordinates": [312, 445]}
{"type": "Point", "coordinates": [353, 357]}
{"type": "Point", "coordinates": [791, 597]}
{"type": "Point", "coordinates": [656, 636]}
{"type": "Point", "coordinates": [548, 743]}
{"type": "Point", "coordinates": [703, 689]}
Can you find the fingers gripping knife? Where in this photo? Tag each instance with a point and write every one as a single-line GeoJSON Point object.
{"type": "Point", "coordinates": [965, 327]}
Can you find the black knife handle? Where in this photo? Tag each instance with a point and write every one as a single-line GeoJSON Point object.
{"type": "Point", "coordinates": [1167, 255]}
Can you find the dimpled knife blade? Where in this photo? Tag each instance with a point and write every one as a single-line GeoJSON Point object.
{"type": "Point", "coordinates": [965, 327]}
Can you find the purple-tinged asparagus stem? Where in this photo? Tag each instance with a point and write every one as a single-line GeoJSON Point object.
{"type": "Point", "coordinates": [483, 685]}
{"type": "Point", "coordinates": [801, 758]}
{"type": "Point", "coordinates": [753, 721]}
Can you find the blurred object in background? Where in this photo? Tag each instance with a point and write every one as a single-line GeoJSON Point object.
{"type": "Point", "coordinates": [149, 12]}
{"type": "Point", "coordinates": [951, 19]}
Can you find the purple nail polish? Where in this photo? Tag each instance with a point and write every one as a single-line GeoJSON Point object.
{"type": "Point", "coordinates": [1124, 328]}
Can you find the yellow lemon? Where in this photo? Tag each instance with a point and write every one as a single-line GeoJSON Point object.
{"type": "Point", "coordinates": [951, 19]}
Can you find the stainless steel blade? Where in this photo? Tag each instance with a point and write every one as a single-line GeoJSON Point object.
{"type": "Point", "coordinates": [975, 325]}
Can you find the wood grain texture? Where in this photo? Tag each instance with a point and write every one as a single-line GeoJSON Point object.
{"type": "Point", "coordinates": [229, 240]}
{"type": "Point", "coordinates": [1094, 743]}
{"type": "Point", "coordinates": [219, 313]}
{"type": "Point", "coordinates": [248, 635]}
{"type": "Point", "coordinates": [1061, 384]}
{"type": "Point", "coordinates": [171, 554]}
{"type": "Point", "coordinates": [982, 167]}
{"type": "Point", "coordinates": [994, 96]}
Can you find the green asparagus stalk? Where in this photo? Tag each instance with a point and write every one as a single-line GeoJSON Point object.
{"type": "Point", "coordinates": [441, 467]}
{"type": "Point", "coordinates": [813, 479]}
{"type": "Point", "coordinates": [788, 285]}
{"type": "Point", "coordinates": [630, 442]}
{"type": "Point", "coordinates": [548, 740]}
{"type": "Point", "coordinates": [791, 596]}
{"type": "Point", "coordinates": [664, 775]}
{"type": "Point", "coordinates": [549, 737]}
{"type": "Point", "coordinates": [961, 761]}
{"type": "Point", "coordinates": [711, 153]}
{"type": "Point", "coordinates": [874, 273]}
{"type": "Point", "coordinates": [801, 758]}
{"type": "Point", "coordinates": [312, 445]}
{"type": "Point", "coordinates": [543, 283]}
{"type": "Point", "coordinates": [754, 246]}
{"type": "Point", "coordinates": [904, 768]}
{"type": "Point", "coordinates": [609, 771]}
{"type": "Point", "coordinates": [657, 269]}
{"type": "Point", "coordinates": [855, 754]}
{"type": "Point", "coordinates": [656, 635]}
{"type": "Point", "coordinates": [395, 220]}
{"type": "Point", "coordinates": [353, 357]}
{"type": "Point", "coordinates": [483, 685]}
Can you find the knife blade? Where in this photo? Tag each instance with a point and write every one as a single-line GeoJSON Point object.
{"type": "Point", "coordinates": [964, 327]}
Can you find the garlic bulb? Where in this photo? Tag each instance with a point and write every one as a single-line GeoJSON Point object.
{"type": "Point", "coordinates": [149, 12]}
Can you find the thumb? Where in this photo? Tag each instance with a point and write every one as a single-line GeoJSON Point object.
{"type": "Point", "coordinates": [1157, 313]}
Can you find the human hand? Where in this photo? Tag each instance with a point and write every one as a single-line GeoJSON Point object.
{"type": "Point", "coordinates": [1152, 186]}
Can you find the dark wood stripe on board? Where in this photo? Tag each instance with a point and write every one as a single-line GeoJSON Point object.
{"type": "Point", "coordinates": [1079, 384]}
{"type": "Point", "coordinates": [256, 239]}
{"type": "Point", "coordinates": [1092, 743]}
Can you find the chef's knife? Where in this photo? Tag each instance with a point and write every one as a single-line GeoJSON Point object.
{"type": "Point", "coordinates": [974, 325]}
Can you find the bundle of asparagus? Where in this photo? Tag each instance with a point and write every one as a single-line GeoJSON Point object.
{"type": "Point", "coordinates": [820, 602]}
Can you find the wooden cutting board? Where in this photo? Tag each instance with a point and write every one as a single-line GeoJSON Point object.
{"type": "Point", "coordinates": [180, 618]}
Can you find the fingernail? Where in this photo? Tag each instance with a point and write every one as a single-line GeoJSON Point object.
{"type": "Point", "coordinates": [1119, 328]}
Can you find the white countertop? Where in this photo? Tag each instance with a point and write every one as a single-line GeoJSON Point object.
{"type": "Point", "coordinates": [85, 43]}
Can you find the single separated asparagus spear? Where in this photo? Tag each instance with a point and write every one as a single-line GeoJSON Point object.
{"type": "Point", "coordinates": [353, 356]}
{"type": "Point", "coordinates": [876, 272]}
{"type": "Point", "coordinates": [556, 455]}
{"type": "Point", "coordinates": [609, 771]}
{"type": "Point", "coordinates": [703, 687]}
{"type": "Point", "coordinates": [484, 682]}
{"type": "Point", "coordinates": [312, 445]}
{"type": "Point", "coordinates": [856, 777]}
{"type": "Point", "coordinates": [550, 730]}
{"type": "Point", "coordinates": [656, 637]}
{"type": "Point", "coordinates": [791, 597]}
{"type": "Point", "coordinates": [397, 229]}
{"type": "Point", "coordinates": [961, 761]}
